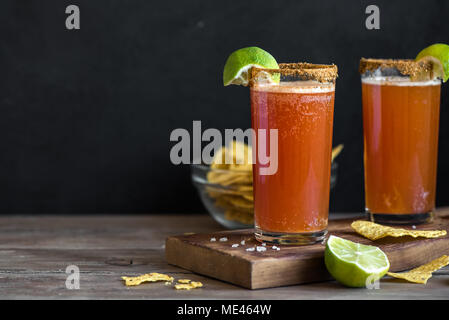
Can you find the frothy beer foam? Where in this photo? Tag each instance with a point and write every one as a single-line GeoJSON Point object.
{"type": "Point", "coordinates": [294, 87]}
{"type": "Point", "coordinates": [399, 81]}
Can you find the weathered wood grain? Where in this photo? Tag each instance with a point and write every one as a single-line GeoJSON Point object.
{"type": "Point", "coordinates": [97, 231]}
{"type": "Point", "coordinates": [35, 250]}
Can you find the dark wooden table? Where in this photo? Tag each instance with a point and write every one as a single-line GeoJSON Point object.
{"type": "Point", "coordinates": [36, 250]}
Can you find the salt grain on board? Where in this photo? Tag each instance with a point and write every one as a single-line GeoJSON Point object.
{"type": "Point", "coordinates": [235, 245]}
{"type": "Point", "coordinates": [250, 249]}
{"type": "Point", "coordinates": [261, 249]}
{"type": "Point", "coordinates": [224, 239]}
{"type": "Point", "coordinates": [213, 239]}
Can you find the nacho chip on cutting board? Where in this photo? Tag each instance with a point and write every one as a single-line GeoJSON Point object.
{"type": "Point", "coordinates": [374, 231]}
{"type": "Point", "coordinates": [423, 273]}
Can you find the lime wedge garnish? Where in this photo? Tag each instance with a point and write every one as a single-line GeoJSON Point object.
{"type": "Point", "coordinates": [438, 53]}
{"type": "Point", "coordinates": [354, 264]}
{"type": "Point", "coordinates": [240, 62]}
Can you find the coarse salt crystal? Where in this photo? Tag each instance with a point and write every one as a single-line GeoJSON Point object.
{"type": "Point", "coordinates": [413, 227]}
{"type": "Point", "coordinates": [264, 244]}
{"type": "Point", "coordinates": [242, 242]}
{"type": "Point", "coordinates": [261, 249]}
{"type": "Point", "coordinates": [274, 247]}
{"type": "Point", "coordinates": [235, 245]}
{"type": "Point", "coordinates": [224, 239]}
{"type": "Point", "coordinates": [213, 239]}
{"type": "Point", "coordinates": [249, 249]}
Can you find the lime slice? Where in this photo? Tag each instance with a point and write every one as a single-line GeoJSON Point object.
{"type": "Point", "coordinates": [354, 264]}
{"type": "Point", "coordinates": [240, 62]}
{"type": "Point", "coordinates": [438, 53]}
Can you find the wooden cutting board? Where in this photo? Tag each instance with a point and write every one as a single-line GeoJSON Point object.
{"type": "Point", "coordinates": [292, 264]}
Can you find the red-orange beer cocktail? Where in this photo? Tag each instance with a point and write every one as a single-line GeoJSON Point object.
{"type": "Point", "coordinates": [291, 206]}
{"type": "Point", "coordinates": [400, 124]}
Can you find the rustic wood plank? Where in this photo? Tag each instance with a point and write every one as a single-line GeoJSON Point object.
{"type": "Point", "coordinates": [35, 250]}
{"type": "Point", "coordinates": [292, 264]}
{"type": "Point", "coordinates": [102, 281]}
{"type": "Point", "coordinates": [98, 231]}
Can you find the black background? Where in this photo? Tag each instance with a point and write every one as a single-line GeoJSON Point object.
{"type": "Point", "coordinates": [86, 115]}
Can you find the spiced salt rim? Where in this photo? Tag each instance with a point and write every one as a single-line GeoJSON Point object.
{"type": "Point", "coordinates": [325, 73]}
{"type": "Point", "coordinates": [416, 70]}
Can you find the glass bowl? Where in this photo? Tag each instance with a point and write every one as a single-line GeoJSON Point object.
{"type": "Point", "coordinates": [228, 194]}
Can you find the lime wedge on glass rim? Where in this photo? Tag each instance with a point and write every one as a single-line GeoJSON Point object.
{"type": "Point", "coordinates": [438, 54]}
{"type": "Point", "coordinates": [239, 63]}
{"type": "Point", "coordinates": [354, 264]}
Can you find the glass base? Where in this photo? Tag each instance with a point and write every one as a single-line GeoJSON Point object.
{"type": "Point", "coordinates": [290, 238]}
{"type": "Point", "coordinates": [412, 218]}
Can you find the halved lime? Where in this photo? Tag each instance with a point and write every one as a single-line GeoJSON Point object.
{"type": "Point", "coordinates": [354, 264]}
{"type": "Point", "coordinates": [241, 61]}
{"type": "Point", "coordinates": [437, 53]}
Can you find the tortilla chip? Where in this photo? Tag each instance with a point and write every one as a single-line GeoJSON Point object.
{"type": "Point", "coordinates": [374, 231]}
{"type": "Point", "coordinates": [336, 151]}
{"type": "Point", "coordinates": [227, 178]}
{"type": "Point", "coordinates": [249, 197]}
{"type": "Point", "coordinates": [216, 192]}
{"type": "Point", "coordinates": [239, 216]}
{"type": "Point", "coordinates": [247, 167]}
{"type": "Point", "coordinates": [188, 286]}
{"type": "Point", "coordinates": [219, 160]}
{"type": "Point", "coordinates": [422, 273]}
{"type": "Point", "coordinates": [224, 204]}
{"type": "Point", "coordinates": [237, 197]}
{"type": "Point", "coordinates": [237, 155]}
{"type": "Point", "coordinates": [221, 177]}
{"type": "Point", "coordinates": [243, 188]}
{"type": "Point", "coordinates": [149, 277]}
{"type": "Point", "coordinates": [184, 280]}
